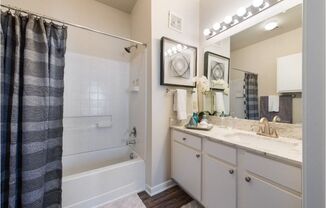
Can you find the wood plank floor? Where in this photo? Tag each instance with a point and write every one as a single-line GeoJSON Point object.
{"type": "Point", "coordinates": [174, 197]}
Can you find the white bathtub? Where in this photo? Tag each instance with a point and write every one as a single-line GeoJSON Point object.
{"type": "Point", "coordinates": [96, 178]}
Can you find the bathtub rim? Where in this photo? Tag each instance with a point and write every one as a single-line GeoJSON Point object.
{"type": "Point", "coordinates": [105, 168]}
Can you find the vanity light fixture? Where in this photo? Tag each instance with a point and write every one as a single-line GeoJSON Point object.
{"type": "Point", "coordinates": [228, 20]}
{"type": "Point", "coordinates": [235, 22]}
{"type": "Point", "coordinates": [271, 26]}
{"type": "Point", "coordinates": [217, 26]}
{"type": "Point", "coordinates": [207, 32]}
{"type": "Point", "coordinates": [242, 14]}
{"type": "Point", "coordinates": [241, 11]}
{"type": "Point", "coordinates": [257, 3]}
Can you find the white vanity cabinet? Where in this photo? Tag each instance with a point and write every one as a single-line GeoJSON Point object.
{"type": "Point", "coordinates": [226, 176]}
{"type": "Point", "coordinates": [267, 183]}
{"type": "Point", "coordinates": [219, 175]}
{"type": "Point", "coordinates": [186, 162]}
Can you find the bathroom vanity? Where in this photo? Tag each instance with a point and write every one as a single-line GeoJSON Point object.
{"type": "Point", "coordinates": [230, 168]}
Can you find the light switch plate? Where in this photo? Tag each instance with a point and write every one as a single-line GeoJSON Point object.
{"type": "Point", "coordinates": [175, 22]}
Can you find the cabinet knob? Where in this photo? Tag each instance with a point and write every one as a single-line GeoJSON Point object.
{"type": "Point", "coordinates": [184, 139]}
{"type": "Point", "coordinates": [231, 171]}
{"type": "Point", "coordinates": [248, 179]}
{"type": "Point", "coordinates": [198, 155]}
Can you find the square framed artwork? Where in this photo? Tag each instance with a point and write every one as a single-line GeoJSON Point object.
{"type": "Point", "coordinates": [216, 69]}
{"type": "Point", "coordinates": [178, 63]}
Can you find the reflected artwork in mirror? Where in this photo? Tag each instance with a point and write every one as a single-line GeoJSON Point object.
{"type": "Point", "coordinates": [216, 69]}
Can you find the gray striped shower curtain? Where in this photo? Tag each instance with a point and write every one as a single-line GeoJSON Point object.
{"type": "Point", "coordinates": [251, 96]}
{"type": "Point", "coordinates": [32, 70]}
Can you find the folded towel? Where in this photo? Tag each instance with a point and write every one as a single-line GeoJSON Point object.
{"type": "Point", "coordinates": [195, 101]}
{"type": "Point", "coordinates": [273, 103]}
{"type": "Point", "coordinates": [219, 102]}
{"type": "Point", "coordinates": [180, 104]}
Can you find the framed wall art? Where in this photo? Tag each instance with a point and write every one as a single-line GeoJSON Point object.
{"type": "Point", "coordinates": [178, 63]}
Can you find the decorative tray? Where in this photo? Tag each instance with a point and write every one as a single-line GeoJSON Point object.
{"type": "Point", "coordinates": [210, 126]}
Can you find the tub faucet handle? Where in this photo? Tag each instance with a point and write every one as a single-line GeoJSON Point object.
{"type": "Point", "coordinates": [133, 132]}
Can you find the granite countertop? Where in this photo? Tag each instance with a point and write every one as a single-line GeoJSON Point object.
{"type": "Point", "coordinates": [284, 149]}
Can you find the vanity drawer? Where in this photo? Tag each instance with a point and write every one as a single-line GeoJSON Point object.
{"type": "Point", "coordinates": [187, 139]}
{"type": "Point", "coordinates": [220, 151]}
{"type": "Point", "coordinates": [278, 172]}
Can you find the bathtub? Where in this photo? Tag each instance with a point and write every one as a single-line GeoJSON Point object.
{"type": "Point", "coordinates": [95, 178]}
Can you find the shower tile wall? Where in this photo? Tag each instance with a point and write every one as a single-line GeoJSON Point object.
{"type": "Point", "coordinates": [96, 92]}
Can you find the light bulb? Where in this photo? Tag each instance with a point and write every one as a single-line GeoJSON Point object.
{"type": "Point", "coordinates": [241, 11]}
{"type": "Point", "coordinates": [257, 3]}
{"type": "Point", "coordinates": [271, 26]}
{"type": "Point", "coordinates": [217, 26]}
{"type": "Point", "coordinates": [228, 19]}
{"type": "Point", "coordinates": [207, 32]}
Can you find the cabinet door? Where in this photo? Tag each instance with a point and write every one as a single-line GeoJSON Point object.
{"type": "Point", "coordinates": [186, 169]}
{"type": "Point", "coordinates": [257, 193]}
{"type": "Point", "coordinates": [289, 73]}
{"type": "Point", "coordinates": [219, 184]}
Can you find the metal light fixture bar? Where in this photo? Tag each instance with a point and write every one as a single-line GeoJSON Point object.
{"type": "Point", "coordinates": [242, 15]}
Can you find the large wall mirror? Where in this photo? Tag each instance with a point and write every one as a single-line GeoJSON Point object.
{"type": "Point", "coordinates": [262, 75]}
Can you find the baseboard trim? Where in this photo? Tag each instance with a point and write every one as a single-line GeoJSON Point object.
{"type": "Point", "coordinates": [160, 187]}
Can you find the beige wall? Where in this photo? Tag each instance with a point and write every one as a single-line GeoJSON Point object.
{"type": "Point", "coordinates": [161, 103]}
{"type": "Point", "coordinates": [261, 58]}
{"type": "Point", "coordinates": [88, 13]}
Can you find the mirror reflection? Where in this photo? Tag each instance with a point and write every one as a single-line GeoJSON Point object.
{"type": "Point", "coordinates": [262, 77]}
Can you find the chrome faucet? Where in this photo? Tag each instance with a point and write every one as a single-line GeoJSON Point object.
{"type": "Point", "coordinates": [266, 129]}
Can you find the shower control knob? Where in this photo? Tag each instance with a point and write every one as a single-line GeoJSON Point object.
{"type": "Point", "coordinates": [248, 179]}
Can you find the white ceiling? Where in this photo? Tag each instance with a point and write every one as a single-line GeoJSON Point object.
{"type": "Point", "coordinates": [123, 5]}
{"type": "Point", "coordinates": [289, 20]}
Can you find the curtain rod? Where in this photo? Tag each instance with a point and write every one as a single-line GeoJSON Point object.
{"type": "Point", "coordinates": [72, 24]}
{"type": "Point", "coordinates": [244, 71]}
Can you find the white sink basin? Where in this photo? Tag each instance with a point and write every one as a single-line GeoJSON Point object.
{"type": "Point", "coordinates": [285, 144]}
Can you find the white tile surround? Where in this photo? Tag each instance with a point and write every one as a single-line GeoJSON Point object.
{"type": "Point", "coordinates": [96, 90]}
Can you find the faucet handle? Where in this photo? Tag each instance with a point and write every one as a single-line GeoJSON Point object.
{"type": "Point", "coordinates": [263, 120]}
{"type": "Point", "coordinates": [273, 133]}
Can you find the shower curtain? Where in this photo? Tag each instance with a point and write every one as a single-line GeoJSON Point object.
{"type": "Point", "coordinates": [251, 96]}
{"type": "Point", "coordinates": [32, 70]}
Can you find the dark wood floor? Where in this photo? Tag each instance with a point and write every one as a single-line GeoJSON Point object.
{"type": "Point", "coordinates": [174, 197]}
